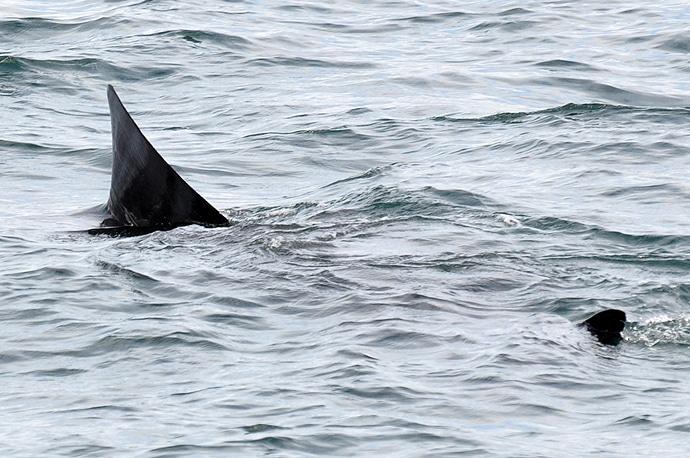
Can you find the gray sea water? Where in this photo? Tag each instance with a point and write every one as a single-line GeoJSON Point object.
{"type": "Point", "coordinates": [426, 198]}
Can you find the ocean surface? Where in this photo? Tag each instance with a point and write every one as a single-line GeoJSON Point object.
{"type": "Point", "coordinates": [426, 199]}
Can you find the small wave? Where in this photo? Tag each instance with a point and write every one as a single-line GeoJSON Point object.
{"type": "Point", "coordinates": [550, 223]}
{"type": "Point", "coordinates": [566, 64]}
{"type": "Point", "coordinates": [647, 193]}
{"type": "Point", "coordinates": [36, 28]}
{"type": "Point", "coordinates": [380, 200]}
{"type": "Point", "coordinates": [120, 270]}
{"type": "Point", "coordinates": [660, 330]}
{"type": "Point", "coordinates": [504, 26]}
{"type": "Point", "coordinates": [231, 42]}
{"type": "Point", "coordinates": [570, 111]}
{"type": "Point", "coordinates": [60, 372]}
{"type": "Point", "coordinates": [436, 18]}
{"type": "Point", "coordinates": [125, 344]}
{"type": "Point", "coordinates": [679, 44]}
{"type": "Point", "coordinates": [368, 175]}
{"type": "Point", "coordinates": [94, 66]}
{"type": "Point", "coordinates": [283, 61]}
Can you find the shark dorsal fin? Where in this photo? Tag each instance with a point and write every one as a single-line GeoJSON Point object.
{"type": "Point", "coordinates": [145, 192]}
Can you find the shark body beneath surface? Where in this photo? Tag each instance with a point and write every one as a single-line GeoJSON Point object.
{"type": "Point", "coordinates": [146, 194]}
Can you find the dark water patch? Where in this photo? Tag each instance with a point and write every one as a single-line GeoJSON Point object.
{"type": "Point", "coordinates": [380, 394]}
{"type": "Point", "coordinates": [379, 200]}
{"type": "Point", "coordinates": [637, 421]}
{"type": "Point", "coordinates": [46, 72]}
{"type": "Point", "coordinates": [652, 194]}
{"type": "Point", "coordinates": [251, 322]}
{"type": "Point", "coordinates": [677, 289]}
{"type": "Point", "coordinates": [186, 450]}
{"type": "Point", "coordinates": [639, 261]}
{"type": "Point", "coordinates": [611, 93]}
{"type": "Point", "coordinates": [587, 112]}
{"type": "Point", "coordinates": [495, 284]}
{"type": "Point", "coordinates": [369, 175]}
{"type": "Point", "coordinates": [459, 197]}
{"type": "Point", "coordinates": [593, 232]}
{"type": "Point", "coordinates": [303, 62]}
{"type": "Point", "coordinates": [349, 372]}
{"type": "Point", "coordinates": [678, 44]}
{"type": "Point", "coordinates": [260, 428]}
{"type": "Point", "coordinates": [445, 263]}
{"type": "Point", "coordinates": [46, 273]}
{"type": "Point", "coordinates": [232, 303]}
{"type": "Point", "coordinates": [30, 314]}
{"type": "Point", "coordinates": [505, 26]}
{"type": "Point", "coordinates": [309, 9]}
{"type": "Point", "coordinates": [637, 240]}
{"type": "Point", "coordinates": [61, 372]}
{"type": "Point", "coordinates": [91, 65]}
{"type": "Point", "coordinates": [126, 346]}
{"type": "Point", "coordinates": [569, 111]}
{"type": "Point", "coordinates": [343, 137]}
{"type": "Point", "coordinates": [10, 66]}
{"type": "Point", "coordinates": [422, 302]}
{"type": "Point", "coordinates": [9, 90]}
{"type": "Point", "coordinates": [684, 428]}
{"type": "Point", "coordinates": [229, 46]}
{"type": "Point", "coordinates": [365, 28]}
{"type": "Point", "coordinates": [81, 450]}
{"type": "Point", "coordinates": [36, 27]}
{"type": "Point", "coordinates": [271, 444]}
{"type": "Point", "coordinates": [10, 357]}
{"type": "Point", "coordinates": [28, 147]}
{"type": "Point", "coordinates": [564, 64]}
{"type": "Point", "coordinates": [32, 152]}
{"type": "Point", "coordinates": [402, 339]}
{"type": "Point", "coordinates": [565, 305]}
{"type": "Point", "coordinates": [360, 111]}
{"type": "Point", "coordinates": [550, 223]}
{"type": "Point", "coordinates": [100, 408]}
{"type": "Point", "coordinates": [436, 18]}
{"type": "Point", "coordinates": [125, 271]}
{"type": "Point", "coordinates": [515, 12]}
{"type": "Point", "coordinates": [171, 341]}
{"type": "Point", "coordinates": [198, 37]}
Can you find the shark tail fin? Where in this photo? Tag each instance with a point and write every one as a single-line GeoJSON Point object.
{"type": "Point", "coordinates": [607, 326]}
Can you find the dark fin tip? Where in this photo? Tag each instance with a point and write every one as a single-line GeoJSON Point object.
{"type": "Point", "coordinates": [607, 326]}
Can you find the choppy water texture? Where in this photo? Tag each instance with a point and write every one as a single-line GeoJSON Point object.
{"type": "Point", "coordinates": [426, 198]}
